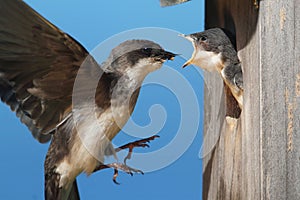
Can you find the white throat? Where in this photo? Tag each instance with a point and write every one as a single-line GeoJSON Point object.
{"type": "Point", "coordinates": [209, 61]}
{"type": "Point", "coordinates": [141, 69]}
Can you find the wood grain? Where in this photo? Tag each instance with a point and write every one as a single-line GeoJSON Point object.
{"type": "Point", "coordinates": [257, 156]}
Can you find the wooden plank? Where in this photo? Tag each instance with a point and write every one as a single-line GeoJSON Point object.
{"type": "Point", "coordinates": [279, 101]}
{"type": "Point", "coordinates": [231, 171]}
{"type": "Point", "coordinates": [258, 156]}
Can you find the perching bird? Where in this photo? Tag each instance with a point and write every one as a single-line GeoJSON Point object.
{"type": "Point", "coordinates": [39, 65]}
{"type": "Point", "coordinates": [213, 50]}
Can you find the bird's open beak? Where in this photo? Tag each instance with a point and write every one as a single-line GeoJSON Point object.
{"type": "Point", "coordinates": [189, 38]}
{"type": "Point", "coordinates": [189, 62]}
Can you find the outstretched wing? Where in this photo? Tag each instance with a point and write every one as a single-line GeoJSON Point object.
{"type": "Point", "coordinates": [38, 66]}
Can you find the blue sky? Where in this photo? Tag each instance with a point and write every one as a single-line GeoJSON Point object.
{"type": "Point", "coordinates": [91, 22]}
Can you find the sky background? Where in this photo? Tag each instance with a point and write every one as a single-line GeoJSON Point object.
{"type": "Point", "coordinates": [91, 22]}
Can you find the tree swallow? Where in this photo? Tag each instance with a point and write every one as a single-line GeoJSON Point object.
{"type": "Point", "coordinates": [213, 50]}
{"type": "Point", "coordinates": [39, 65]}
{"type": "Point", "coordinates": [164, 3]}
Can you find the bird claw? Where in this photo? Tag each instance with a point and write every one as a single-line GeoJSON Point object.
{"type": "Point", "coordinates": [138, 143]}
{"type": "Point", "coordinates": [119, 166]}
{"type": "Point", "coordinates": [123, 167]}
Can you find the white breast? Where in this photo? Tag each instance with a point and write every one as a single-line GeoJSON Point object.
{"type": "Point", "coordinates": [94, 132]}
{"type": "Point", "coordinates": [209, 61]}
{"type": "Point", "coordinates": [90, 145]}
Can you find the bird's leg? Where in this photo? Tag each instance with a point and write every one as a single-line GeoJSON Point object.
{"type": "Point", "coordinates": [122, 166]}
{"type": "Point", "coordinates": [118, 166]}
{"type": "Point", "coordinates": [132, 145]}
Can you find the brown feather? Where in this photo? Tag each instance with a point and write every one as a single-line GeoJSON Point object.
{"type": "Point", "coordinates": [38, 67]}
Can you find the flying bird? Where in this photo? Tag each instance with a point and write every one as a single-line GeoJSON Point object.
{"type": "Point", "coordinates": [164, 3]}
{"type": "Point", "coordinates": [39, 68]}
{"type": "Point", "coordinates": [214, 51]}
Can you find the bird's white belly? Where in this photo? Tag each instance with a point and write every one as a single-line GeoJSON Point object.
{"type": "Point", "coordinates": [91, 144]}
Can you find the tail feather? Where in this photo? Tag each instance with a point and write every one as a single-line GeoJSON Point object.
{"type": "Point", "coordinates": [54, 192]}
{"type": "Point", "coordinates": [74, 193]}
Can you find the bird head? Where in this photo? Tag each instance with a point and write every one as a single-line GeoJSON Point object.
{"type": "Point", "coordinates": [138, 56]}
{"type": "Point", "coordinates": [209, 47]}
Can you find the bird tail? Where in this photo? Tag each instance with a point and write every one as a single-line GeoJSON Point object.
{"type": "Point", "coordinates": [54, 192]}
{"type": "Point", "coordinates": [74, 193]}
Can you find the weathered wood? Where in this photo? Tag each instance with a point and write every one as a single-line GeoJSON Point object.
{"type": "Point", "coordinates": [257, 156]}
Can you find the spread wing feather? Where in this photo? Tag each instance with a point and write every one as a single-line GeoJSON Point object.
{"type": "Point", "coordinates": [38, 67]}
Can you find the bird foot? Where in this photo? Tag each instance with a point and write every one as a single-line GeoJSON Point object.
{"type": "Point", "coordinates": [122, 166]}
{"type": "Point", "coordinates": [132, 145]}
{"type": "Point", "coordinates": [125, 168]}
{"type": "Point", "coordinates": [119, 166]}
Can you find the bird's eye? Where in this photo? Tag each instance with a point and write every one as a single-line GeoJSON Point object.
{"type": "Point", "coordinates": [147, 50]}
{"type": "Point", "coordinates": [202, 38]}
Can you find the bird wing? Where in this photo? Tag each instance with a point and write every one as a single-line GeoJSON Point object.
{"type": "Point", "coordinates": [38, 67]}
{"type": "Point", "coordinates": [238, 80]}
{"type": "Point", "coordinates": [238, 76]}
{"type": "Point", "coordinates": [233, 74]}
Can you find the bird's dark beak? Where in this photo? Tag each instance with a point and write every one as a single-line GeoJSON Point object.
{"type": "Point", "coordinates": [169, 55]}
{"type": "Point", "coordinates": [165, 55]}
{"type": "Point", "coordinates": [189, 38]}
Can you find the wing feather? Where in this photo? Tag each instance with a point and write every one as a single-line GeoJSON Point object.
{"type": "Point", "coordinates": [38, 67]}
